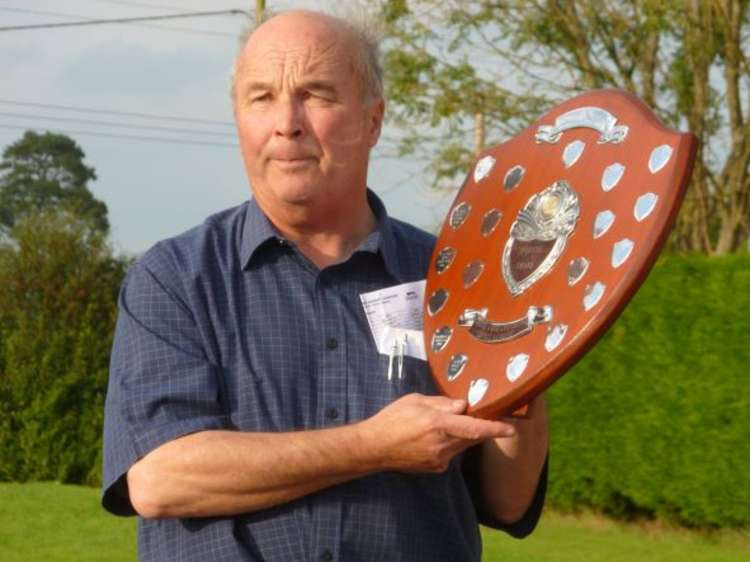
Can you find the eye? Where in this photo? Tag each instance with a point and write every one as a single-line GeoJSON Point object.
{"type": "Point", "coordinates": [260, 97]}
{"type": "Point", "coordinates": [317, 95]}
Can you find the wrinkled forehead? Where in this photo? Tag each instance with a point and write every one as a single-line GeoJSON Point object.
{"type": "Point", "coordinates": [288, 62]}
{"type": "Point", "coordinates": [289, 53]}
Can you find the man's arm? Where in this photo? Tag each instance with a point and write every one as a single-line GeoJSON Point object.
{"type": "Point", "coordinates": [511, 466]}
{"type": "Point", "coordinates": [211, 473]}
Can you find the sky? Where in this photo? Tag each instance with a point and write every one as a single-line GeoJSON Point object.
{"type": "Point", "coordinates": [176, 73]}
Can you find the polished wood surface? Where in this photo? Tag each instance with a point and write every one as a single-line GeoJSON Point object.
{"type": "Point", "coordinates": [543, 164]}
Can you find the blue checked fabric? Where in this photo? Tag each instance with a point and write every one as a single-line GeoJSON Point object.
{"type": "Point", "coordinates": [228, 326]}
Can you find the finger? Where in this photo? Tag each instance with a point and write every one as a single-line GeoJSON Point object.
{"type": "Point", "coordinates": [445, 404]}
{"type": "Point", "coordinates": [475, 429]}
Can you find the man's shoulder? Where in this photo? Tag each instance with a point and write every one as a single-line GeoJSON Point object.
{"type": "Point", "coordinates": [408, 250]}
{"type": "Point", "coordinates": [419, 239]}
{"type": "Point", "coordinates": [213, 243]}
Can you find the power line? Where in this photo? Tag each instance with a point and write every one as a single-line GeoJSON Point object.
{"type": "Point", "coordinates": [123, 113]}
{"type": "Point", "coordinates": [121, 136]}
{"type": "Point", "coordinates": [148, 25]}
{"type": "Point", "coordinates": [89, 21]}
{"type": "Point", "coordinates": [116, 124]}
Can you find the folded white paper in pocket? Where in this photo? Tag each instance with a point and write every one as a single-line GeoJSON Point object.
{"type": "Point", "coordinates": [395, 316]}
{"type": "Point", "coordinates": [412, 341]}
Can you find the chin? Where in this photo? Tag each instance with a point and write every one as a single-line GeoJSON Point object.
{"type": "Point", "coordinates": [298, 194]}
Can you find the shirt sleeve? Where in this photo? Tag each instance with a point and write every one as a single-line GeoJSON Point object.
{"type": "Point", "coordinates": [526, 524]}
{"type": "Point", "coordinates": [161, 384]}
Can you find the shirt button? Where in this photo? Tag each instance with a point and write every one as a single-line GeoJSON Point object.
{"type": "Point", "coordinates": [331, 343]}
{"type": "Point", "coordinates": [332, 413]}
{"type": "Point", "coordinates": [326, 556]}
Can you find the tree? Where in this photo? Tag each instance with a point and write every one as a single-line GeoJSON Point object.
{"type": "Point", "coordinates": [468, 69]}
{"type": "Point", "coordinates": [47, 171]}
{"type": "Point", "coordinates": [58, 290]}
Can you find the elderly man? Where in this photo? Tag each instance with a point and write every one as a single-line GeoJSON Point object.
{"type": "Point", "coordinates": [248, 415]}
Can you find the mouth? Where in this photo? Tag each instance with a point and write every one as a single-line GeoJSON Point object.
{"type": "Point", "coordinates": [290, 156]}
{"type": "Point", "coordinates": [289, 162]}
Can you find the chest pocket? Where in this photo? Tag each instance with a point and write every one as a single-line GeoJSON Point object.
{"type": "Point", "coordinates": [373, 391]}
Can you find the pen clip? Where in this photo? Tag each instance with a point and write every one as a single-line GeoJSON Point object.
{"type": "Point", "coordinates": [402, 351]}
{"type": "Point", "coordinates": [394, 349]}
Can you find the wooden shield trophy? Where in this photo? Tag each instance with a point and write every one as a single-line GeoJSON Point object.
{"type": "Point", "coordinates": [546, 242]}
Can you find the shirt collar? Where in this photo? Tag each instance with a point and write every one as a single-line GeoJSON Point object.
{"type": "Point", "coordinates": [258, 229]}
{"type": "Point", "coordinates": [382, 238]}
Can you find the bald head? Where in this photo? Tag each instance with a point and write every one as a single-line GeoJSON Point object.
{"type": "Point", "coordinates": [354, 40]}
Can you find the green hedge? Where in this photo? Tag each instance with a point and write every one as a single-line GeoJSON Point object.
{"type": "Point", "coordinates": [655, 421]}
{"type": "Point", "coordinates": [58, 290]}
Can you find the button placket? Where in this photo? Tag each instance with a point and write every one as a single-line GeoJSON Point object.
{"type": "Point", "coordinates": [331, 382]}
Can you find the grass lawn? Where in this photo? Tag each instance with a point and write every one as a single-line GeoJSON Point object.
{"type": "Point", "coordinates": [51, 522]}
{"type": "Point", "coordinates": [592, 538]}
{"type": "Point", "coordinates": [45, 521]}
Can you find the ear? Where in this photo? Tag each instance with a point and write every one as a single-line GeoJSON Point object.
{"type": "Point", "coordinates": [375, 113]}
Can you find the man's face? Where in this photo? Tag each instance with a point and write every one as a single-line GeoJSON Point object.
{"type": "Point", "coordinates": [305, 133]}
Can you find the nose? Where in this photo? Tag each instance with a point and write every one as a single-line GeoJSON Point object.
{"type": "Point", "coordinates": [289, 119]}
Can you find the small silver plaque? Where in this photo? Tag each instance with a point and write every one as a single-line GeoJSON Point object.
{"type": "Point", "coordinates": [612, 176]}
{"type": "Point", "coordinates": [554, 336]}
{"type": "Point", "coordinates": [516, 366]}
{"type": "Point", "coordinates": [456, 365]}
{"type": "Point", "coordinates": [490, 220]}
{"type": "Point", "coordinates": [437, 301]}
{"type": "Point", "coordinates": [576, 270]}
{"type": "Point", "coordinates": [573, 152]}
{"type": "Point", "coordinates": [444, 259]}
{"type": "Point", "coordinates": [459, 214]}
{"type": "Point", "coordinates": [592, 295]}
{"type": "Point", "coordinates": [621, 252]}
{"type": "Point", "coordinates": [644, 206]}
{"type": "Point", "coordinates": [513, 177]}
{"type": "Point", "coordinates": [603, 222]}
{"type": "Point", "coordinates": [483, 168]}
{"type": "Point", "coordinates": [477, 390]}
{"type": "Point", "coordinates": [472, 272]}
{"type": "Point", "coordinates": [659, 158]}
{"type": "Point", "coordinates": [441, 337]}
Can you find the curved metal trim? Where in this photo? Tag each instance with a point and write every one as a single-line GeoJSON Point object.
{"type": "Point", "coordinates": [590, 117]}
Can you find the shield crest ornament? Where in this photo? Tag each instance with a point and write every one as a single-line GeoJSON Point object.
{"type": "Point", "coordinates": [538, 236]}
{"type": "Point", "coordinates": [548, 239]}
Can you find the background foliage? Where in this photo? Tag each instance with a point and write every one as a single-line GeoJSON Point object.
{"type": "Point", "coordinates": [46, 171]}
{"type": "Point", "coordinates": [654, 421]}
{"type": "Point", "coordinates": [58, 290]}
{"type": "Point", "coordinates": [465, 75]}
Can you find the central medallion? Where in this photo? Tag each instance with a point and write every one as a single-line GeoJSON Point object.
{"type": "Point", "coordinates": [538, 236]}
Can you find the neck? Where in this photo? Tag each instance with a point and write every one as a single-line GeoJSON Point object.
{"type": "Point", "coordinates": [326, 236]}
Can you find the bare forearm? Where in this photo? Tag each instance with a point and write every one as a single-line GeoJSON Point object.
{"type": "Point", "coordinates": [215, 473]}
{"type": "Point", "coordinates": [511, 465]}
{"type": "Point", "coordinates": [227, 472]}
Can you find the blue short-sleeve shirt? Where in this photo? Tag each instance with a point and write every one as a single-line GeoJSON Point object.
{"type": "Point", "coordinates": [228, 326]}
